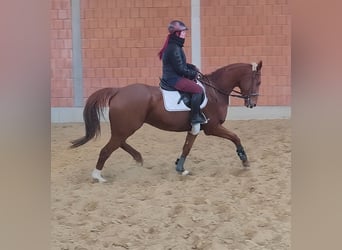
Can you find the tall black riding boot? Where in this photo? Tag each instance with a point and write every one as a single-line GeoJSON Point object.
{"type": "Point", "coordinates": [196, 116]}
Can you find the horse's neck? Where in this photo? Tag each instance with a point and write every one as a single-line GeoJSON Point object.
{"type": "Point", "coordinates": [227, 78]}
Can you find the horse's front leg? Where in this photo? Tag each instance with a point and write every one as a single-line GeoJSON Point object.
{"type": "Point", "coordinates": [189, 141]}
{"type": "Point", "coordinates": [222, 132]}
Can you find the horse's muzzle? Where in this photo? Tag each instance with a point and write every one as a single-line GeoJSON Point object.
{"type": "Point", "coordinates": [251, 100]}
{"type": "Point", "coordinates": [249, 104]}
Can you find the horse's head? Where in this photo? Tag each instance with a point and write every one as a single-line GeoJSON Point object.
{"type": "Point", "coordinates": [250, 84]}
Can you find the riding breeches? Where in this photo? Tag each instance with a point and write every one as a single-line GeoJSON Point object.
{"type": "Point", "coordinates": [186, 85]}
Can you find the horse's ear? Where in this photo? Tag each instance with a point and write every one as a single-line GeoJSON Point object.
{"type": "Point", "coordinates": [259, 66]}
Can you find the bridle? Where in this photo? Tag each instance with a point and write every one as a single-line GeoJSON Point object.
{"type": "Point", "coordinates": [206, 81]}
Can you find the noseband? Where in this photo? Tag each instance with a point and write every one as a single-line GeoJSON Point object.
{"type": "Point", "coordinates": [247, 97]}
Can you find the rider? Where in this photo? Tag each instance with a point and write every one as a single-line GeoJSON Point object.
{"type": "Point", "coordinates": [179, 74]}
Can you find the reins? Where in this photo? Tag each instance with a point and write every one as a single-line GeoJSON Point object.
{"type": "Point", "coordinates": [238, 93]}
{"type": "Point", "coordinates": [206, 81]}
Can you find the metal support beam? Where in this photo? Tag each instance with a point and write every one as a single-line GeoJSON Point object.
{"type": "Point", "coordinates": [196, 32]}
{"type": "Point", "coordinates": [77, 71]}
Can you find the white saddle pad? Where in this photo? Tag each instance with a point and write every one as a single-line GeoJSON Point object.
{"type": "Point", "coordinates": [171, 99]}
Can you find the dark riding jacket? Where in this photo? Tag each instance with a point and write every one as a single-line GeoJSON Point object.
{"type": "Point", "coordinates": [174, 62]}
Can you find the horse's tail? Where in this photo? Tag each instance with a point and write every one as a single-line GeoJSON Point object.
{"type": "Point", "coordinates": [91, 114]}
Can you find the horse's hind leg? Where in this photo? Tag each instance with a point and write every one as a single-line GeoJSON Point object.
{"type": "Point", "coordinates": [135, 154]}
{"type": "Point", "coordinates": [106, 151]}
{"type": "Point", "coordinates": [189, 141]}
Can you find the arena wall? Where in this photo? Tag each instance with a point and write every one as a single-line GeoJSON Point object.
{"type": "Point", "coordinates": [120, 41]}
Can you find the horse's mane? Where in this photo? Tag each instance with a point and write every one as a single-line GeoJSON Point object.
{"type": "Point", "coordinates": [219, 71]}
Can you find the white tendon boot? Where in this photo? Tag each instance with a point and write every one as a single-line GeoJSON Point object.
{"type": "Point", "coordinates": [195, 129]}
{"type": "Point", "coordinates": [96, 174]}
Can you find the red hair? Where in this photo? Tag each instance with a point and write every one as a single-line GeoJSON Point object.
{"type": "Point", "coordinates": [160, 54]}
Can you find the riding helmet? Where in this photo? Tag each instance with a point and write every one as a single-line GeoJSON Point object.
{"type": "Point", "coordinates": [176, 25]}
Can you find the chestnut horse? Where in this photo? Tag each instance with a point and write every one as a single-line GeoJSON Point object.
{"type": "Point", "coordinates": [133, 105]}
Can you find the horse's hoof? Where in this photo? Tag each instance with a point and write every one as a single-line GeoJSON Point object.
{"type": "Point", "coordinates": [245, 163]}
{"type": "Point", "coordinates": [139, 162]}
{"type": "Point", "coordinates": [184, 173]}
{"type": "Point", "coordinates": [96, 175]}
{"type": "Point", "coordinates": [100, 180]}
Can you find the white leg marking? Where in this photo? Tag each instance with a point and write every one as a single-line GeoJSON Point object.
{"type": "Point", "coordinates": [185, 172]}
{"type": "Point", "coordinates": [96, 174]}
{"type": "Point", "coordinates": [195, 129]}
